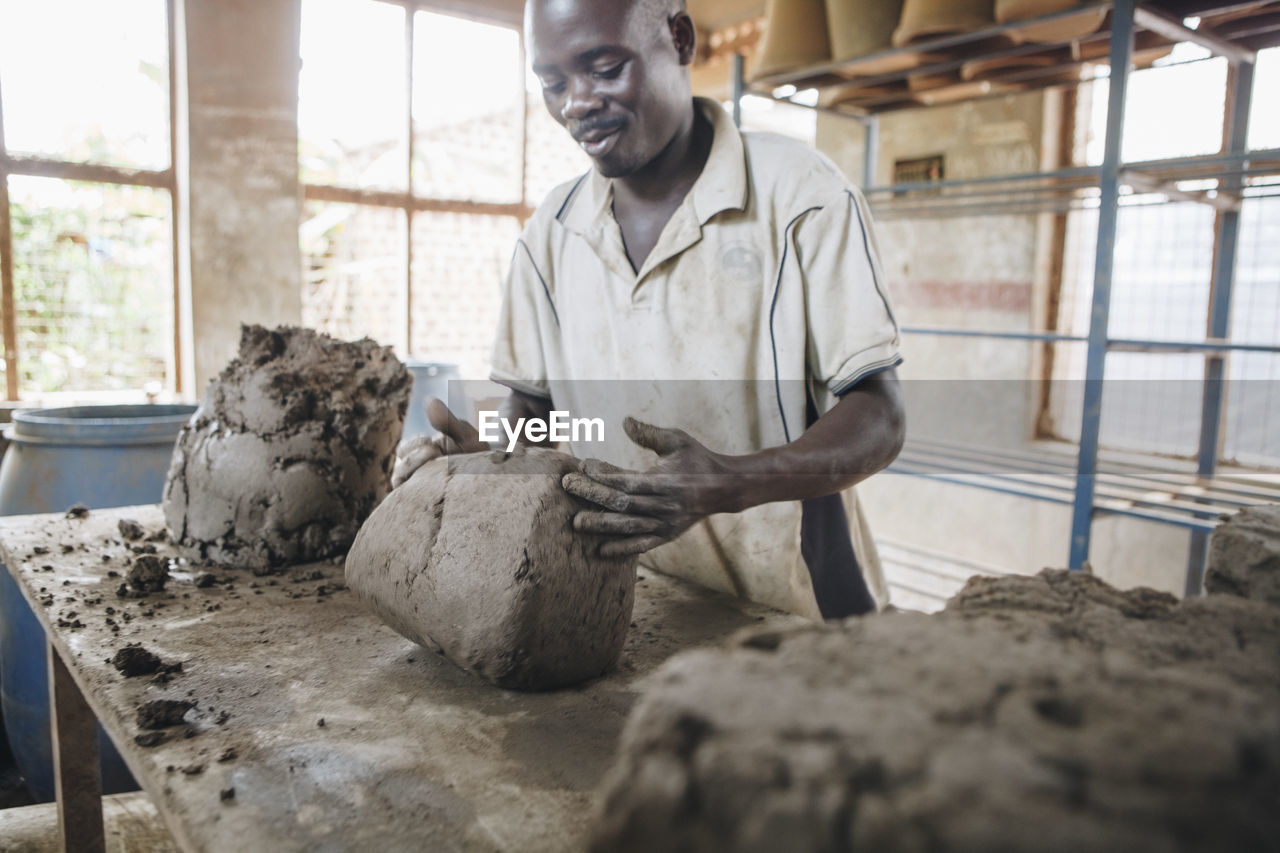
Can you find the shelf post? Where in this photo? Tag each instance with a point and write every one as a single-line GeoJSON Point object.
{"type": "Point", "coordinates": [739, 87]}
{"type": "Point", "coordinates": [871, 150]}
{"type": "Point", "coordinates": [1225, 249]}
{"type": "Point", "coordinates": [1108, 212]}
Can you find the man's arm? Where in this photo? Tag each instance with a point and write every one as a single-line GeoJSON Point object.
{"type": "Point", "coordinates": [861, 435]}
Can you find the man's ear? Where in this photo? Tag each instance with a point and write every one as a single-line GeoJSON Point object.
{"type": "Point", "coordinates": [684, 36]}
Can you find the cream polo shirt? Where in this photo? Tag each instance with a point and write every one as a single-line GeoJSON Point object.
{"type": "Point", "coordinates": [763, 297]}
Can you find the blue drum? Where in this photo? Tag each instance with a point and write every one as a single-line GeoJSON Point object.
{"type": "Point", "coordinates": [431, 379]}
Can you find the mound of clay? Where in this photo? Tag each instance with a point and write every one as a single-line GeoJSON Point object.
{"type": "Point", "coordinates": [289, 452]}
{"type": "Point", "coordinates": [1245, 555]}
{"type": "Point", "coordinates": [1047, 713]}
{"type": "Point", "coordinates": [476, 555]}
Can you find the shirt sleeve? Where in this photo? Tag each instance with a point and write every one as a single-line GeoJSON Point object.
{"type": "Point", "coordinates": [518, 358]}
{"type": "Point", "coordinates": [852, 329]}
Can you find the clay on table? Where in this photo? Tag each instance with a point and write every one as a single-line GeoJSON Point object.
{"type": "Point", "coordinates": [476, 555]}
{"type": "Point", "coordinates": [289, 452]}
{"type": "Point", "coordinates": [1050, 713]}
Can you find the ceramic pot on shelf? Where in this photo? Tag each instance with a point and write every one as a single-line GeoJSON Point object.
{"type": "Point", "coordinates": [795, 37]}
{"type": "Point", "coordinates": [927, 19]}
{"type": "Point", "coordinates": [861, 28]}
{"type": "Point", "coordinates": [1067, 28]}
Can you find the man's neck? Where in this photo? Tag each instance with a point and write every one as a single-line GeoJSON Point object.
{"type": "Point", "coordinates": [669, 176]}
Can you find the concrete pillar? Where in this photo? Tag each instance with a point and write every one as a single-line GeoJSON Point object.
{"type": "Point", "coordinates": [240, 153]}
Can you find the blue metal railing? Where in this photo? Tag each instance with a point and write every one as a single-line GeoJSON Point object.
{"type": "Point", "coordinates": [1083, 485]}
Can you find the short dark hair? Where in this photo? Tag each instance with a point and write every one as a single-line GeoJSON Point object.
{"type": "Point", "coordinates": [664, 8]}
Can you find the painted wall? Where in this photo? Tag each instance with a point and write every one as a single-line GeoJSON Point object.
{"type": "Point", "coordinates": [241, 152]}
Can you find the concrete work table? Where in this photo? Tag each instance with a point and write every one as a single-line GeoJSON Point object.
{"type": "Point", "coordinates": [334, 732]}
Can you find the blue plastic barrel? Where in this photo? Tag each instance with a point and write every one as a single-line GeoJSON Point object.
{"type": "Point", "coordinates": [100, 456]}
{"type": "Point", "coordinates": [431, 379]}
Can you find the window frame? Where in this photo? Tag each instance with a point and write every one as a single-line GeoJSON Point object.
{"type": "Point", "coordinates": [52, 167]}
{"type": "Point", "coordinates": [409, 201]}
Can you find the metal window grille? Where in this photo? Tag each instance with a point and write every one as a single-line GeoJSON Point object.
{"type": "Point", "coordinates": [88, 273]}
{"type": "Point", "coordinates": [407, 232]}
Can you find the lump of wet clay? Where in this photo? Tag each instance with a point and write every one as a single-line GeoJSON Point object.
{"type": "Point", "coordinates": [162, 713]}
{"type": "Point", "coordinates": [1047, 713]}
{"type": "Point", "coordinates": [476, 555]}
{"type": "Point", "coordinates": [134, 660]}
{"type": "Point", "coordinates": [290, 450]}
{"type": "Point", "coordinates": [130, 529]}
{"type": "Point", "coordinates": [149, 573]}
{"type": "Point", "coordinates": [1244, 555]}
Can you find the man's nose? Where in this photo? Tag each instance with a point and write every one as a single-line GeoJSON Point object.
{"type": "Point", "coordinates": [581, 102]}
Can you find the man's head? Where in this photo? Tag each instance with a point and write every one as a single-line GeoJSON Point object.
{"type": "Point", "coordinates": [615, 74]}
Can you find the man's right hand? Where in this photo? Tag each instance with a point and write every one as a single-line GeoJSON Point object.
{"type": "Point", "coordinates": [456, 436]}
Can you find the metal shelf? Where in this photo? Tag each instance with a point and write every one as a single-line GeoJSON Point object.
{"type": "Point", "coordinates": [1132, 34]}
{"type": "Point", "coordinates": [940, 76]}
{"type": "Point", "coordinates": [1077, 188]}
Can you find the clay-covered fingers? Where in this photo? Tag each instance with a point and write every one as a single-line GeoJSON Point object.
{"type": "Point", "coordinates": [465, 437]}
{"type": "Point", "coordinates": [416, 454]}
{"type": "Point", "coordinates": [582, 486]}
{"type": "Point", "coordinates": [660, 440]}
{"type": "Point", "coordinates": [631, 545]}
{"type": "Point", "coordinates": [616, 523]}
{"type": "Point", "coordinates": [410, 445]}
{"type": "Point", "coordinates": [620, 479]}
{"type": "Point", "coordinates": [619, 500]}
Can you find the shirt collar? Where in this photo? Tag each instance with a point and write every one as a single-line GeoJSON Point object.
{"type": "Point", "coordinates": [721, 186]}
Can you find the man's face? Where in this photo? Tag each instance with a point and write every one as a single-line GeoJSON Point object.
{"type": "Point", "coordinates": [612, 77]}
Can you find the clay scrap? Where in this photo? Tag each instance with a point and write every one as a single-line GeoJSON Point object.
{"type": "Point", "coordinates": [134, 660]}
{"type": "Point", "coordinates": [1244, 555]}
{"type": "Point", "coordinates": [149, 573]}
{"type": "Point", "coordinates": [1049, 713]}
{"type": "Point", "coordinates": [289, 452]}
{"type": "Point", "coordinates": [476, 555]}
{"type": "Point", "coordinates": [163, 713]}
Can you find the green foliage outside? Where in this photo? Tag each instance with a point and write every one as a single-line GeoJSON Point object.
{"type": "Point", "coordinates": [93, 285]}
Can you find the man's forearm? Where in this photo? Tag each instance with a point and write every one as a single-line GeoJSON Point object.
{"type": "Point", "coordinates": [862, 434]}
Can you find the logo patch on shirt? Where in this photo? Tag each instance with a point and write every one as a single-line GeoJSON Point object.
{"type": "Point", "coordinates": [741, 262]}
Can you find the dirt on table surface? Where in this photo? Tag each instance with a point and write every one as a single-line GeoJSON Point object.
{"type": "Point", "coordinates": [158, 585]}
{"type": "Point", "coordinates": [414, 753]}
{"type": "Point", "coordinates": [1048, 713]}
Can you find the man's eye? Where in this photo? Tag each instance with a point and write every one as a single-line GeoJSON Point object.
{"type": "Point", "coordinates": [553, 87]}
{"type": "Point", "coordinates": [610, 73]}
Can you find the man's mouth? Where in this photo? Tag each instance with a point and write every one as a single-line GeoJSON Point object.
{"type": "Point", "coordinates": [599, 139]}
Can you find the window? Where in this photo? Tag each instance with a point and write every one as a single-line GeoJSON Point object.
{"type": "Point", "coordinates": [1163, 272]}
{"type": "Point", "coordinates": [423, 145]}
{"type": "Point", "coordinates": [86, 167]}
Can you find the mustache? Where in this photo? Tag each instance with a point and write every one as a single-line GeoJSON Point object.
{"type": "Point", "coordinates": [606, 124]}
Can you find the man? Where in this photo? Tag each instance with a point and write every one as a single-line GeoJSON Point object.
{"type": "Point", "coordinates": [734, 270]}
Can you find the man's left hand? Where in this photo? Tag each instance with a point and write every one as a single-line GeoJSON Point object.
{"type": "Point", "coordinates": [645, 509]}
